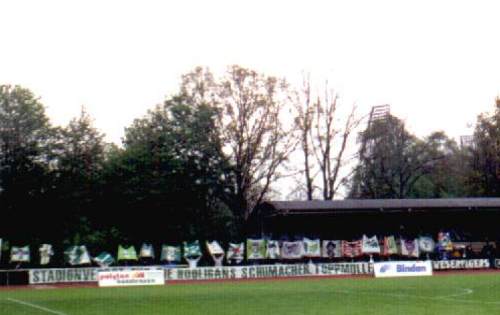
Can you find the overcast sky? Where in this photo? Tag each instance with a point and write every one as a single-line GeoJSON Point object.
{"type": "Point", "coordinates": [437, 63]}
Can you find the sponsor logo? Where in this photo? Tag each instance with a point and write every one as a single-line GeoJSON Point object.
{"type": "Point", "coordinates": [385, 268]}
{"type": "Point", "coordinates": [412, 268]}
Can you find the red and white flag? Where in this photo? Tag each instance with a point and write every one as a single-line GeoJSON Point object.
{"type": "Point", "coordinates": [351, 249]}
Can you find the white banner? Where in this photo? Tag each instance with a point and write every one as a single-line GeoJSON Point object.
{"type": "Point", "coordinates": [461, 264]}
{"type": "Point", "coordinates": [402, 269]}
{"type": "Point", "coordinates": [267, 271]}
{"type": "Point", "coordinates": [131, 278]}
{"type": "Point", "coordinates": [62, 275]}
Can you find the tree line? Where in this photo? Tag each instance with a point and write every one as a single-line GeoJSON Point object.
{"type": "Point", "coordinates": [196, 165]}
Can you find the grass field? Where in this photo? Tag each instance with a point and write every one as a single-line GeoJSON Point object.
{"type": "Point", "coordinates": [450, 294]}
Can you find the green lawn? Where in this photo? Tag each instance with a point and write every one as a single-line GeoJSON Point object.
{"type": "Point", "coordinates": [453, 294]}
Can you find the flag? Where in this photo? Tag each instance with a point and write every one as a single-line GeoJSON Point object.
{"type": "Point", "coordinates": [390, 246]}
{"type": "Point", "coordinates": [170, 253]}
{"type": "Point", "coordinates": [370, 245]}
{"type": "Point", "coordinates": [351, 249]}
{"type": "Point", "coordinates": [77, 255]}
{"type": "Point", "coordinates": [409, 248]}
{"type": "Point", "coordinates": [292, 250]}
{"type": "Point", "coordinates": [192, 250]}
{"type": "Point", "coordinates": [1, 248]}
{"type": "Point", "coordinates": [215, 249]}
{"type": "Point", "coordinates": [20, 254]}
{"type": "Point", "coordinates": [312, 248]}
{"type": "Point", "coordinates": [235, 252]}
{"type": "Point", "coordinates": [104, 259]}
{"type": "Point", "coordinates": [147, 251]}
{"type": "Point", "coordinates": [332, 249]}
{"type": "Point", "coordinates": [444, 242]}
{"type": "Point", "coordinates": [128, 253]}
{"type": "Point", "coordinates": [46, 253]}
{"type": "Point", "coordinates": [426, 244]}
{"type": "Point", "coordinates": [256, 249]}
{"type": "Point", "coordinates": [273, 250]}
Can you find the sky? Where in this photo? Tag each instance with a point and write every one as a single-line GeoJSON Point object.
{"type": "Point", "coordinates": [437, 63]}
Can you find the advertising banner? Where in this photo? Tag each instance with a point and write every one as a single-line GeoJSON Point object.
{"type": "Point", "coordinates": [131, 278]}
{"type": "Point", "coordinates": [402, 269]}
{"type": "Point", "coordinates": [267, 271]}
{"type": "Point", "coordinates": [62, 275]}
{"type": "Point", "coordinates": [460, 264]}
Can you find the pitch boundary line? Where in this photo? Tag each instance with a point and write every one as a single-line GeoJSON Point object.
{"type": "Point", "coordinates": [45, 309]}
{"type": "Point", "coordinates": [448, 298]}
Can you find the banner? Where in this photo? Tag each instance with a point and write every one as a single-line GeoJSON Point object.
{"type": "Point", "coordinates": [126, 253]}
{"type": "Point", "coordinates": [77, 255]}
{"type": "Point", "coordinates": [20, 254]}
{"type": "Point", "coordinates": [390, 246]}
{"type": "Point", "coordinates": [74, 275]}
{"type": "Point", "coordinates": [235, 252]}
{"type": "Point", "coordinates": [444, 242]}
{"type": "Point", "coordinates": [170, 253]}
{"type": "Point", "coordinates": [1, 248]}
{"type": "Point", "coordinates": [273, 250]}
{"type": "Point", "coordinates": [46, 253]}
{"type": "Point", "coordinates": [267, 271]}
{"type": "Point", "coordinates": [147, 251]}
{"type": "Point", "coordinates": [312, 248]}
{"type": "Point", "coordinates": [192, 250]}
{"type": "Point", "coordinates": [497, 263]}
{"type": "Point", "coordinates": [460, 264]}
{"type": "Point", "coordinates": [130, 278]}
{"type": "Point", "coordinates": [332, 249]}
{"type": "Point", "coordinates": [409, 248]}
{"type": "Point", "coordinates": [402, 269]}
{"type": "Point", "coordinates": [292, 250]}
{"type": "Point", "coordinates": [351, 249]}
{"type": "Point", "coordinates": [256, 249]}
{"type": "Point", "coordinates": [62, 275]}
{"type": "Point", "coordinates": [104, 259]}
{"type": "Point", "coordinates": [370, 245]}
{"type": "Point", "coordinates": [214, 248]}
{"type": "Point", "coordinates": [426, 244]}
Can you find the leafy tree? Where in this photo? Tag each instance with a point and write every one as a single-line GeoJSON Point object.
{"type": "Point", "coordinates": [25, 141]}
{"type": "Point", "coordinates": [484, 176]}
{"type": "Point", "coordinates": [79, 160]}
{"type": "Point", "coordinates": [257, 140]}
{"type": "Point", "coordinates": [171, 167]}
{"type": "Point", "coordinates": [391, 161]}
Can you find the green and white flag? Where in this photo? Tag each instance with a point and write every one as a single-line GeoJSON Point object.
{"type": "Point", "coordinates": [390, 246]}
{"type": "Point", "coordinates": [170, 253]}
{"type": "Point", "coordinates": [332, 249]}
{"type": "Point", "coordinates": [256, 249]}
{"type": "Point", "coordinates": [292, 250]}
{"type": "Point", "coordinates": [192, 250]}
{"type": "Point", "coordinates": [147, 251]}
{"type": "Point", "coordinates": [20, 254]}
{"type": "Point", "coordinates": [46, 253]}
{"type": "Point", "coordinates": [214, 248]}
{"type": "Point", "coordinates": [370, 245]}
{"type": "Point", "coordinates": [104, 259]}
{"type": "Point", "coordinates": [273, 250]}
{"type": "Point", "coordinates": [312, 248]}
{"type": "Point", "coordinates": [426, 244]}
{"type": "Point", "coordinates": [77, 255]}
{"type": "Point", "coordinates": [128, 253]}
{"type": "Point", "coordinates": [235, 252]}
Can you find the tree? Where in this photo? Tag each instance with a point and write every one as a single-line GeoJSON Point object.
{"type": "Point", "coordinates": [79, 161]}
{"type": "Point", "coordinates": [324, 136]}
{"type": "Point", "coordinates": [25, 142]}
{"type": "Point", "coordinates": [171, 166]}
{"type": "Point", "coordinates": [484, 161]}
{"type": "Point", "coordinates": [256, 138]}
{"type": "Point", "coordinates": [391, 161]}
